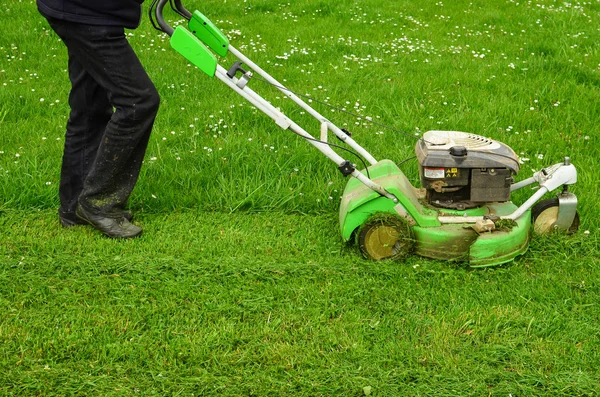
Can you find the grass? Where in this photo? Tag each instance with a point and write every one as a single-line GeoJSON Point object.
{"type": "Point", "coordinates": [240, 284]}
{"type": "Point", "coordinates": [237, 309]}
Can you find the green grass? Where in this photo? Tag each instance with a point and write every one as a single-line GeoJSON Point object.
{"type": "Point", "coordinates": [241, 284]}
{"type": "Point", "coordinates": [208, 302]}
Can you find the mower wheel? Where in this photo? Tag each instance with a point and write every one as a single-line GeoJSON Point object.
{"type": "Point", "coordinates": [385, 236]}
{"type": "Point", "coordinates": [545, 213]}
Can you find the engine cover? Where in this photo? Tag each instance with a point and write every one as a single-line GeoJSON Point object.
{"type": "Point", "coordinates": [461, 170]}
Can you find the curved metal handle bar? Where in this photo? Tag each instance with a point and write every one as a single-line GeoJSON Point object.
{"type": "Point", "coordinates": [180, 9]}
{"type": "Point", "coordinates": [158, 12]}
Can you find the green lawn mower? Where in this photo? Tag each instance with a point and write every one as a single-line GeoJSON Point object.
{"type": "Point", "coordinates": [463, 210]}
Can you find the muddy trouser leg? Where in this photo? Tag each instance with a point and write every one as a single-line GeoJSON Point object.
{"type": "Point", "coordinates": [105, 55]}
{"type": "Point", "coordinates": [90, 113]}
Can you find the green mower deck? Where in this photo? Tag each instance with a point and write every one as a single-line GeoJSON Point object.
{"type": "Point", "coordinates": [454, 242]}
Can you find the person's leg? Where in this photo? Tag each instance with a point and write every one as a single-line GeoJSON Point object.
{"type": "Point", "coordinates": [90, 113]}
{"type": "Point", "coordinates": [107, 57]}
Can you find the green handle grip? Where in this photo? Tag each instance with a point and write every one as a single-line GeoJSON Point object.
{"type": "Point", "coordinates": [188, 45]}
{"type": "Point", "coordinates": [208, 33]}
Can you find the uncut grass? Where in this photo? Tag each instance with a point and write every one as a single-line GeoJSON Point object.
{"type": "Point", "coordinates": [255, 304]}
{"type": "Point", "coordinates": [415, 71]}
{"type": "Point", "coordinates": [274, 303]}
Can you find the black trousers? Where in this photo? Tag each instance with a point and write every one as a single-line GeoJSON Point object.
{"type": "Point", "coordinates": [113, 106]}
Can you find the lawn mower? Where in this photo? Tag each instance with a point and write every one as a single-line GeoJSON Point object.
{"type": "Point", "coordinates": [463, 210]}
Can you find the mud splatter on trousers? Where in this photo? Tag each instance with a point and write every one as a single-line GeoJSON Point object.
{"type": "Point", "coordinates": [113, 106]}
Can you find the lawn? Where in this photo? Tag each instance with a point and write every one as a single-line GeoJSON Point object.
{"type": "Point", "coordinates": [241, 284]}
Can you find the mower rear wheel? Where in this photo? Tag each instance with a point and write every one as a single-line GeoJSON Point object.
{"type": "Point", "coordinates": [385, 236]}
{"type": "Point", "coordinates": [545, 213]}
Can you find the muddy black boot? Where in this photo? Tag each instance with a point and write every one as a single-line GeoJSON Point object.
{"type": "Point", "coordinates": [70, 219]}
{"type": "Point", "coordinates": [112, 227]}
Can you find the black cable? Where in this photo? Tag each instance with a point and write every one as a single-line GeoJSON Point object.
{"type": "Point", "coordinates": [339, 147]}
{"type": "Point", "coordinates": [317, 140]}
{"type": "Point", "coordinates": [405, 160]}
{"type": "Point", "coordinates": [177, 9]}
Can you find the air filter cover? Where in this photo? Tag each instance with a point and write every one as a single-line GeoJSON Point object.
{"type": "Point", "coordinates": [435, 149]}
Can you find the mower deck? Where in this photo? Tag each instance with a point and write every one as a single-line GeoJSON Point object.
{"type": "Point", "coordinates": [432, 239]}
{"type": "Point", "coordinates": [460, 242]}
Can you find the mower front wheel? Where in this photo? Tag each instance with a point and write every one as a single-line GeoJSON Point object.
{"type": "Point", "coordinates": [385, 236]}
{"type": "Point", "coordinates": [545, 213]}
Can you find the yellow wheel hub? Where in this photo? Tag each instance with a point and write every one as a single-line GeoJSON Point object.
{"type": "Point", "coordinates": [380, 240]}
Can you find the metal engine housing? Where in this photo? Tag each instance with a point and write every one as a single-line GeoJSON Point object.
{"type": "Point", "coordinates": [460, 170]}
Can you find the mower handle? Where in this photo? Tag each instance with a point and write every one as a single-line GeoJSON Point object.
{"type": "Point", "coordinates": [180, 9]}
{"type": "Point", "coordinates": [158, 14]}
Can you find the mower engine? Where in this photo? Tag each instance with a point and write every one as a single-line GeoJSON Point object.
{"type": "Point", "coordinates": [460, 170]}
